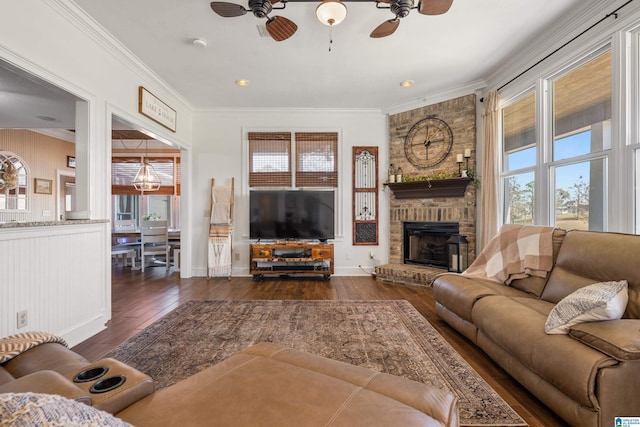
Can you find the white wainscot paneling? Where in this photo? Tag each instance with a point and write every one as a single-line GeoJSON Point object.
{"type": "Point", "coordinates": [60, 275]}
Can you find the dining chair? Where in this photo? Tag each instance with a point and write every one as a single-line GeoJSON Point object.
{"type": "Point", "coordinates": [154, 241]}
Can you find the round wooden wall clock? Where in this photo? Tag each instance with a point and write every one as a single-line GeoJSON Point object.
{"type": "Point", "coordinates": [428, 142]}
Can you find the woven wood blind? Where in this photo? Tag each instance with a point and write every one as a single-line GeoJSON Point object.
{"type": "Point", "coordinates": [270, 159]}
{"type": "Point", "coordinates": [124, 170]}
{"type": "Point", "coordinates": [316, 159]}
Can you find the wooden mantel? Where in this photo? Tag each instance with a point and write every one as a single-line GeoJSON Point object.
{"type": "Point", "coordinates": [453, 187]}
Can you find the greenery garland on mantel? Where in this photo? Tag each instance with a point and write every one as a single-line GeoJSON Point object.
{"type": "Point", "coordinates": [440, 176]}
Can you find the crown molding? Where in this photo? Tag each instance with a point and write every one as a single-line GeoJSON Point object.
{"type": "Point", "coordinates": [292, 110]}
{"type": "Point", "coordinates": [96, 32]}
{"type": "Point", "coordinates": [555, 36]}
{"type": "Point", "coordinates": [436, 97]}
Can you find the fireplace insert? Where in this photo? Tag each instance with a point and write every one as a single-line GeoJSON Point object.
{"type": "Point", "coordinates": [425, 243]}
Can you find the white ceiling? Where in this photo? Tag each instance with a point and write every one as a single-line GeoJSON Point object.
{"type": "Point", "coordinates": [458, 49]}
{"type": "Point", "coordinates": [439, 53]}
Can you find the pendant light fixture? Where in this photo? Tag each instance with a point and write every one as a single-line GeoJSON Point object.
{"type": "Point", "coordinates": [147, 178]}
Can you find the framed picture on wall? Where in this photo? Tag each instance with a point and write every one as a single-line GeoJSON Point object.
{"type": "Point", "coordinates": [71, 162]}
{"type": "Point", "coordinates": [42, 186]}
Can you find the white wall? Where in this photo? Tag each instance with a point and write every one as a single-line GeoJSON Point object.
{"type": "Point", "coordinates": [55, 41]}
{"type": "Point", "coordinates": [219, 137]}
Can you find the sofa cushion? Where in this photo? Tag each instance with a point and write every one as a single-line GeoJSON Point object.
{"type": "Point", "coordinates": [36, 409]}
{"type": "Point", "coordinates": [5, 376]}
{"type": "Point", "coordinates": [49, 356]}
{"type": "Point", "coordinates": [48, 382]}
{"type": "Point", "coordinates": [458, 293]}
{"type": "Point", "coordinates": [517, 326]}
{"type": "Point", "coordinates": [600, 301]}
{"type": "Point", "coordinates": [618, 339]}
{"type": "Point", "coordinates": [588, 257]}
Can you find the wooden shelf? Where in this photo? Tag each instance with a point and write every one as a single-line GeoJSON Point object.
{"type": "Point", "coordinates": [453, 187]}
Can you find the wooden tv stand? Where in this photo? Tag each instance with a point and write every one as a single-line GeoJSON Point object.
{"type": "Point", "coordinates": [291, 258]}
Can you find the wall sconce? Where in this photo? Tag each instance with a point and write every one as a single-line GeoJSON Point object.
{"type": "Point", "coordinates": [458, 247]}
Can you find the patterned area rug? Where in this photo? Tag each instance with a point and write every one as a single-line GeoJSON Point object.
{"type": "Point", "coordinates": [388, 336]}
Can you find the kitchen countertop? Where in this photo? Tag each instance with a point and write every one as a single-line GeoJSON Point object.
{"type": "Point", "coordinates": [23, 224]}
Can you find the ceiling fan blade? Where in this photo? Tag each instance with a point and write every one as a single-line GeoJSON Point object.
{"type": "Point", "coordinates": [281, 28]}
{"type": "Point", "coordinates": [385, 29]}
{"type": "Point", "coordinates": [228, 10]}
{"type": "Point", "coordinates": [434, 7]}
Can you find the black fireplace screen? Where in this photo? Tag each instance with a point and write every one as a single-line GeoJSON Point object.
{"type": "Point", "coordinates": [425, 243]}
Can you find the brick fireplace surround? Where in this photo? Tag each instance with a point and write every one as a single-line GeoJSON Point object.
{"type": "Point", "coordinates": [460, 115]}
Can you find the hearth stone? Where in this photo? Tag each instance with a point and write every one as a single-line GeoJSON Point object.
{"type": "Point", "coordinates": [408, 275]}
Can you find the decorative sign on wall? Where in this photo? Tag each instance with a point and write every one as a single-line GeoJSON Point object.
{"type": "Point", "coordinates": [150, 106]}
{"type": "Point", "coordinates": [365, 195]}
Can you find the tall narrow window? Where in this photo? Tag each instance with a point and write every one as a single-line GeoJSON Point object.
{"type": "Point", "coordinates": [581, 137]}
{"type": "Point", "coordinates": [519, 150]}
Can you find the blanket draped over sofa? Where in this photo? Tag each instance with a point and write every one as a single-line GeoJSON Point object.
{"type": "Point", "coordinates": [516, 252]}
{"type": "Point", "coordinates": [14, 345]}
{"type": "Point", "coordinates": [590, 373]}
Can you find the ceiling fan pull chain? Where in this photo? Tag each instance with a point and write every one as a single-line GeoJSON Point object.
{"type": "Point", "coordinates": [330, 36]}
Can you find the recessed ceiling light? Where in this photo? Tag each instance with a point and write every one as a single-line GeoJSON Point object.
{"type": "Point", "coordinates": [406, 83]}
{"type": "Point", "coordinates": [46, 118]}
{"type": "Point", "coordinates": [199, 43]}
{"type": "Point", "coordinates": [242, 82]}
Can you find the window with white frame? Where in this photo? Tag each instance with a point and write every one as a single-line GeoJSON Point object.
{"type": "Point", "coordinates": [519, 150]}
{"type": "Point", "coordinates": [130, 206]}
{"type": "Point", "coordinates": [13, 182]}
{"type": "Point", "coordinates": [575, 153]}
{"type": "Point", "coordinates": [581, 103]}
{"type": "Point", "coordinates": [300, 159]}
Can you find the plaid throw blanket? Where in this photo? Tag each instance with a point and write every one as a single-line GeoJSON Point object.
{"type": "Point", "coordinates": [516, 252]}
{"type": "Point", "coordinates": [13, 345]}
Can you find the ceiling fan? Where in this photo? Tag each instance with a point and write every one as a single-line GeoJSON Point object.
{"type": "Point", "coordinates": [278, 27]}
{"type": "Point", "coordinates": [401, 8]}
{"type": "Point", "coordinates": [281, 28]}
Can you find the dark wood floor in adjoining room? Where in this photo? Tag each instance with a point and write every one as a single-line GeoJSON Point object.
{"type": "Point", "coordinates": [139, 299]}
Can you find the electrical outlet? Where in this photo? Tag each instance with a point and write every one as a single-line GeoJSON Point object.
{"type": "Point", "coordinates": [237, 256]}
{"type": "Point", "coordinates": [22, 319]}
{"type": "Point", "coordinates": [46, 213]}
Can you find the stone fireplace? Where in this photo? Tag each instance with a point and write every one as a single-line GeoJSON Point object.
{"type": "Point", "coordinates": [426, 202]}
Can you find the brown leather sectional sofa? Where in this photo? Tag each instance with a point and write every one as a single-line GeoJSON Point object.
{"type": "Point", "coordinates": [587, 377]}
{"type": "Point", "coordinates": [266, 385]}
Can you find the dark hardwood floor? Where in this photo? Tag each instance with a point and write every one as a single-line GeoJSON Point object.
{"type": "Point", "coordinates": [139, 299]}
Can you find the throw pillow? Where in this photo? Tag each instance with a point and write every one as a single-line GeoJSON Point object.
{"type": "Point", "coordinates": [600, 301]}
{"type": "Point", "coordinates": [36, 409]}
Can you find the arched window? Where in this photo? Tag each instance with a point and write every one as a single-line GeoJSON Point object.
{"type": "Point", "coordinates": [13, 182]}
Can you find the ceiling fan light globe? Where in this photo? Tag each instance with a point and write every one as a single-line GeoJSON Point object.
{"type": "Point", "coordinates": [331, 12]}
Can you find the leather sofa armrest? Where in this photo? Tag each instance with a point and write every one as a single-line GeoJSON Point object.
{"type": "Point", "coordinates": [616, 338]}
{"type": "Point", "coordinates": [48, 382]}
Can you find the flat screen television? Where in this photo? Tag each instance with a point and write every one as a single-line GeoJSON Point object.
{"type": "Point", "coordinates": [291, 214]}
